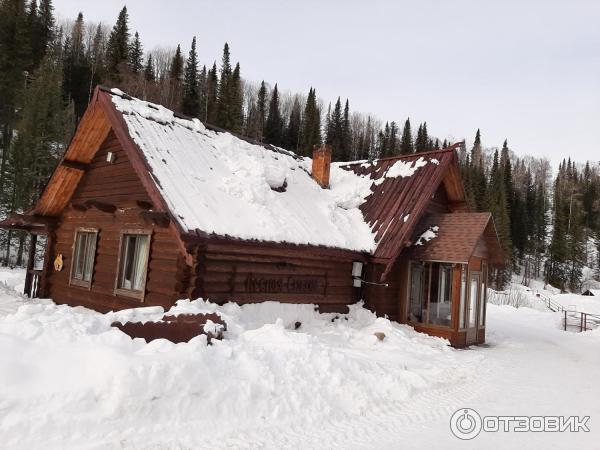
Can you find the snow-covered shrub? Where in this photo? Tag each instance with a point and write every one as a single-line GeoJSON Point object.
{"type": "Point", "coordinates": [513, 296]}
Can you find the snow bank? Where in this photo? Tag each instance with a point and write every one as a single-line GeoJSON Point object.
{"type": "Point", "coordinates": [68, 379]}
{"type": "Point", "coordinates": [220, 184]}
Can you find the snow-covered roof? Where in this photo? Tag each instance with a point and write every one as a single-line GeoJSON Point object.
{"type": "Point", "coordinates": [218, 183]}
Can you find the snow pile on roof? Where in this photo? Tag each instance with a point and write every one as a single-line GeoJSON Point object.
{"type": "Point", "coordinates": [71, 377]}
{"type": "Point", "coordinates": [405, 168]}
{"type": "Point", "coordinates": [429, 234]}
{"type": "Point", "coordinates": [217, 183]}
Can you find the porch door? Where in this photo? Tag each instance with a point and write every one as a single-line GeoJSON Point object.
{"type": "Point", "coordinates": [473, 306]}
{"type": "Point", "coordinates": [417, 309]}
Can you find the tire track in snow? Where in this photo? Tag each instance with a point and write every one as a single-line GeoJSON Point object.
{"type": "Point", "coordinates": [383, 425]}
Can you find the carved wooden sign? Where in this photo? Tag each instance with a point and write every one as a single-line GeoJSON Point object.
{"type": "Point", "coordinates": [285, 284]}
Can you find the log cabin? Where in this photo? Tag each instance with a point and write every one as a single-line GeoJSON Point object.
{"type": "Point", "coordinates": [147, 207]}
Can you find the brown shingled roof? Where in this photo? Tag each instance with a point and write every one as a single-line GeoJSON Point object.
{"type": "Point", "coordinates": [396, 204]}
{"type": "Point", "coordinates": [458, 237]}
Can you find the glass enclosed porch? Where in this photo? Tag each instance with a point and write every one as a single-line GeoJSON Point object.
{"type": "Point", "coordinates": [448, 300]}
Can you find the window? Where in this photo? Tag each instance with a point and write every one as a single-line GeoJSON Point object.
{"type": "Point", "coordinates": [483, 295]}
{"type": "Point", "coordinates": [430, 294]}
{"type": "Point", "coordinates": [473, 294]}
{"type": "Point", "coordinates": [463, 295]}
{"type": "Point", "coordinates": [84, 252]}
{"type": "Point", "coordinates": [440, 300]}
{"type": "Point", "coordinates": [133, 261]}
{"type": "Point", "coordinates": [417, 292]}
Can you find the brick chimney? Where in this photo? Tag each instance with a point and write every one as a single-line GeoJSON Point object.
{"type": "Point", "coordinates": [321, 165]}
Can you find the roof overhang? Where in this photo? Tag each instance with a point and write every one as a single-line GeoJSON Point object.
{"type": "Point", "coordinates": [458, 238]}
{"type": "Point", "coordinates": [31, 223]}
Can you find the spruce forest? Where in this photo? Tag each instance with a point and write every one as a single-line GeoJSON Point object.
{"type": "Point", "coordinates": [548, 218]}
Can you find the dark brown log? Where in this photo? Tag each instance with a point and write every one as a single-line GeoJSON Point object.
{"type": "Point", "coordinates": [101, 206]}
{"type": "Point", "coordinates": [77, 165]}
{"type": "Point", "coordinates": [159, 219]}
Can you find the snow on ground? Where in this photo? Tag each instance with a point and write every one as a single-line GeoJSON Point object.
{"type": "Point", "coordinates": [69, 380]}
{"type": "Point", "coordinates": [12, 282]}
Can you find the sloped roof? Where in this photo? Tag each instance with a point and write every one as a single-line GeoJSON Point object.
{"type": "Point", "coordinates": [454, 238]}
{"type": "Point", "coordinates": [214, 182]}
{"type": "Point", "coordinates": [210, 181]}
{"type": "Point", "coordinates": [397, 202]}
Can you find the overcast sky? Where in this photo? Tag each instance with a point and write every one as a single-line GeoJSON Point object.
{"type": "Point", "coordinates": [524, 70]}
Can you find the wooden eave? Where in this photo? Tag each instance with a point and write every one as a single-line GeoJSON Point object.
{"type": "Point", "coordinates": [99, 119]}
{"type": "Point", "coordinates": [33, 224]}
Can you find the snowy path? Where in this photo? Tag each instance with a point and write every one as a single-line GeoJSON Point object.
{"type": "Point", "coordinates": [531, 368]}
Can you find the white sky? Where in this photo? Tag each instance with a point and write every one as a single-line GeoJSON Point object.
{"type": "Point", "coordinates": [524, 70]}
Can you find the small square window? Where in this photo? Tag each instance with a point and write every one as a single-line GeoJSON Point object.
{"type": "Point", "coordinates": [84, 253]}
{"type": "Point", "coordinates": [133, 261]}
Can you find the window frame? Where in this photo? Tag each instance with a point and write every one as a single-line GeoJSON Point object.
{"type": "Point", "coordinates": [473, 274]}
{"type": "Point", "coordinates": [426, 305]}
{"type": "Point", "coordinates": [136, 294]}
{"type": "Point", "coordinates": [73, 281]}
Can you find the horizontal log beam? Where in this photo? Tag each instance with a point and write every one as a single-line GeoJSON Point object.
{"type": "Point", "coordinates": [77, 165]}
{"type": "Point", "coordinates": [101, 206]}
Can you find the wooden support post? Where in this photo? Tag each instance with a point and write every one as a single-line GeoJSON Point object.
{"type": "Point", "coordinates": [30, 264]}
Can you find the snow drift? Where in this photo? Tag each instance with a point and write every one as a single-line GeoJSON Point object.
{"type": "Point", "coordinates": [68, 377]}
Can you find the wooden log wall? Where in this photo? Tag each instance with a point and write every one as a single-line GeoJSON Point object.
{"type": "Point", "coordinates": [386, 300]}
{"type": "Point", "coordinates": [245, 272]}
{"type": "Point", "coordinates": [115, 187]}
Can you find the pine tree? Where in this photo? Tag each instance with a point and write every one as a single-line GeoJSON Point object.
{"type": "Point", "coordinates": [477, 177]}
{"type": "Point", "coordinates": [261, 107]}
{"type": "Point", "coordinates": [212, 86]}
{"type": "Point", "coordinates": [77, 72]}
{"type": "Point", "coordinates": [176, 67]}
{"type": "Point", "coordinates": [422, 143]}
{"type": "Point", "coordinates": [95, 57]}
{"type": "Point", "coordinates": [406, 142]}
{"type": "Point", "coordinates": [117, 51]}
{"type": "Point", "coordinates": [346, 134]}
{"type": "Point", "coordinates": [292, 132]}
{"type": "Point", "coordinates": [149, 71]}
{"type": "Point", "coordinates": [224, 96]}
{"type": "Point", "coordinates": [190, 102]}
{"type": "Point", "coordinates": [556, 271]}
{"type": "Point", "coordinates": [41, 23]}
{"type": "Point", "coordinates": [136, 55]}
{"type": "Point", "coordinates": [495, 202]}
{"type": "Point", "coordinates": [15, 59]}
{"type": "Point", "coordinates": [236, 108]}
{"type": "Point", "coordinates": [202, 90]}
{"type": "Point", "coordinates": [335, 131]}
{"type": "Point", "coordinates": [41, 135]}
{"type": "Point", "coordinates": [273, 126]}
{"type": "Point", "coordinates": [393, 148]}
{"type": "Point", "coordinates": [311, 130]}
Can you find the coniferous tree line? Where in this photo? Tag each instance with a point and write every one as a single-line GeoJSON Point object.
{"type": "Point", "coordinates": [48, 72]}
{"type": "Point", "coordinates": [549, 225]}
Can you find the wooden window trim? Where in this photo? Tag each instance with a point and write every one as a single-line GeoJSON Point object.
{"type": "Point", "coordinates": [472, 273]}
{"type": "Point", "coordinates": [141, 294]}
{"type": "Point", "coordinates": [79, 283]}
